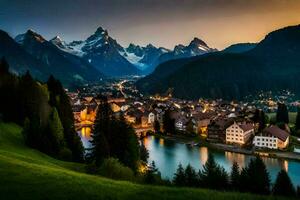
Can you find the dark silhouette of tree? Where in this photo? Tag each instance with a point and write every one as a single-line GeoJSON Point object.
{"type": "Point", "coordinates": [152, 174]}
{"type": "Point", "coordinates": [113, 137]}
{"type": "Point", "coordinates": [213, 176]}
{"type": "Point", "coordinates": [282, 115]}
{"type": "Point", "coordinates": [56, 133]}
{"type": "Point", "coordinates": [283, 185]}
{"type": "Point", "coordinates": [235, 177]}
{"type": "Point", "coordinates": [144, 154]}
{"type": "Point", "coordinates": [255, 177]}
{"type": "Point", "coordinates": [4, 67]}
{"type": "Point", "coordinates": [100, 146]}
{"type": "Point", "coordinates": [261, 119]}
{"type": "Point", "coordinates": [179, 177]}
{"type": "Point", "coordinates": [60, 100]}
{"type": "Point", "coordinates": [26, 101]}
{"type": "Point", "coordinates": [168, 123]}
{"type": "Point", "coordinates": [9, 94]}
{"type": "Point", "coordinates": [190, 176]}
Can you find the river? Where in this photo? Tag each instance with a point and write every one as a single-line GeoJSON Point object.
{"type": "Point", "coordinates": [168, 154]}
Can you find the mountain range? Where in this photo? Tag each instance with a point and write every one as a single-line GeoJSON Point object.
{"type": "Point", "coordinates": [240, 70]}
{"type": "Point", "coordinates": [89, 60]}
{"type": "Point", "coordinates": [109, 57]}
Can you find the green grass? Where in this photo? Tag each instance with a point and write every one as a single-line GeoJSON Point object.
{"type": "Point", "coordinates": [28, 174]}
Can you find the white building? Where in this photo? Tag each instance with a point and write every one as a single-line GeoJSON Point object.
{"type": "Point", "coordinates": [239, 133]}
{"type": "Point", "coordinates": [272, 138]}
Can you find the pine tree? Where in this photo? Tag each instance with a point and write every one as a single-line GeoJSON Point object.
{"type": "Point", "coordinates": [4, 67]}
{"type": "Point", "coordinates": [179, 177]}
{"type": "Point", "coordinates": [282, 115]}
{"type": "Point", "coordinates": [56, 132]}
{"type": "Point", "coordinates": [144, 154]}
{"type": "Point", "coordinates": [60, 100]}
{"type": "Point", "coordinates": [113, 137]}
{"type": "Point", "coordinates": [255, 177]}
{"type": "Point", "coordinates": [168, 123]}
{"type": "Point", "coordinates": [123, 143]}
{"type": "Point", "coordinates": [152, 173]}
{"type": "Point", "coordinates": [213, 176]}
{"type": "Point", "coordinates": [235, 176]}
{"type": "Point", "coordinates": [100, 145]}
{"type": "Point", "coordinates": [283, 185]}
{"type": "Point", "coordinates": [190, 176]}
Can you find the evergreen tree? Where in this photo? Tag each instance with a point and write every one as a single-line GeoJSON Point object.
{"type": "Point", "coordinates": [179, 177]}
{"type": "Point", "coordinates": [9, 100]}
{"type": "Point", "coordinates": [151, 174]}
{"type": "Point", "coordinates": [60, 100]}
{"type": "Point", "coordinates": [190, 176]}
{"type": "Point", "coordinates": [168, 123]}
{"type": "Point", "coordinates": [261, 119]}
{"type": "Point", "coordinates": [113, 137]}
{"type": "Point", "coordinates": [282, 115]}
{"type": "Point", "coordinates": [56, 133]}
{"type": "Point", "coordinates": [235, 176]}
{"type": "Point", "coordinates": [144, 154]}
{"type": "Point", "coordinates": [298, 119]}
{"type": "Point", "coordinates": [123, 143]}
{"type": "Point", "coordinates": [283, 185]}
{"type": "Point", "coordinates": [100, 145]}
{"type": "Point", "coordinates": [4, 67]}
{"type": "Point", "coordinates": [213, 176]}
{"type": "Point", "coordinates": [255, 177]}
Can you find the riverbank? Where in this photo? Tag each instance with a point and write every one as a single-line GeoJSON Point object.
{"type": "Point", "coordinates": [198, 141]}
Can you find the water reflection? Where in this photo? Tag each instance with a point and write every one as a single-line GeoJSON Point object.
{"type": "Point", "coordinates": [203, 155]}
{"type": "Point", "coordinates": [85, 135]}
{"type": "Point", "coordinates": [236, 157]}
{"type": "Point", "coordinates": [86, 132]}
{"type": "Point", "coordinates": [168, 154]}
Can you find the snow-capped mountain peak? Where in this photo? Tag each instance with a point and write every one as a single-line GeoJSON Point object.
{"type": "Point", "coordinates": [197, 42]}
{"type": "Point", "coordinates": [58, 42]}
{"type": "Point", "coordinates": [30, 34]}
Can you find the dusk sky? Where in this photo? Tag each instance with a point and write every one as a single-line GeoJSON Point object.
{"type": "Point", "coordinates": [160, 22]}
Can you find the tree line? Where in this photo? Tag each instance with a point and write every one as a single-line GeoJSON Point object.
{"type": "Point", "coordinates": [45, 112]}
{"type": "Point", "coordinates": [254, 178]}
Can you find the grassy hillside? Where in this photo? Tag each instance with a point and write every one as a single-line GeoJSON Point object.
{"type": "Point", "coordinates": [29, 174]}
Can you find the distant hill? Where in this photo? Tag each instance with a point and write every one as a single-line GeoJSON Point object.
{"type": "Point", "coordinates": [239, 48]}
{"type": "Point", "coordinates": [271, 65]}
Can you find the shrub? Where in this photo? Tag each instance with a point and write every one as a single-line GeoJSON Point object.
{"type": "Point", "coordinates": [65, 154]}
{"type": "Point", "coordinates": [112, 168]}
